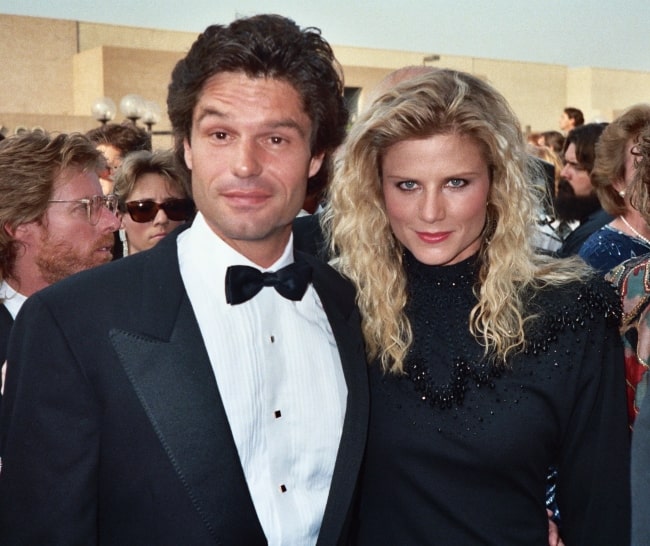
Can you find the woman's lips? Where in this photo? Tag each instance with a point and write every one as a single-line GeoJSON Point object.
{"type": "Point", "coordinates": [437, 237]}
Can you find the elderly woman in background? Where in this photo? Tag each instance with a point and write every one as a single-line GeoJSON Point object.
{"type": "Point", "coordinates": [491, 363]}
{"type": "Point", "coordinates": [628, 235]}
{"type": "Point", "coordinates": [154, 198]}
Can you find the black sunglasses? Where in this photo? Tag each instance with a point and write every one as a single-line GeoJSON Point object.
{"type": "Point", "coordinates": [177, 210]}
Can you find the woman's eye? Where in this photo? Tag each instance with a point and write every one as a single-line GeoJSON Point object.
{"type": "Point", "coordinates": [456, 183]}
{"type": "Point", "coordinates": [407, 185]}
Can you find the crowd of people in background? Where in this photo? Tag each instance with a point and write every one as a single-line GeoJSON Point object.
{"type": "Point", "coordinates": [429, 327]}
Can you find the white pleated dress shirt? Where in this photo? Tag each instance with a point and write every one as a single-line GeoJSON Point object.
{"type": "Point", "coordinates": [279, 375]}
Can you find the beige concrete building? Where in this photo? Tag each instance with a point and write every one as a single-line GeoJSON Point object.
{"type": "Point", "coordinates": [52, 70]}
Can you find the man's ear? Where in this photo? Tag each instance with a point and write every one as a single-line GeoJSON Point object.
{"type": "Point", "coordinates": [187, 153]}
{"type": "Point", "coordinates": [315, 164]}
{"type": "Point", "coordinates": [23, 232]}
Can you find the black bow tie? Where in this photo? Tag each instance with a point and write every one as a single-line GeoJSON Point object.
{"type": "Point", "coordinates": [243, 282]}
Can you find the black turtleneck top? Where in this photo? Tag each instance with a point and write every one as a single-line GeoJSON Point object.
{"type": "Point", "coordinates": [459, 450]}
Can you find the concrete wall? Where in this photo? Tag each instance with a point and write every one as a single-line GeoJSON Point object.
{"type": "Point", "coordinates": [52, 71]}
{"type": "Point", "coordinates": [36, 65]}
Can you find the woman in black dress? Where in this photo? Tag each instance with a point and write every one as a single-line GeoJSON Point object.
{"type": "Point", "coordinates": [491, 363]}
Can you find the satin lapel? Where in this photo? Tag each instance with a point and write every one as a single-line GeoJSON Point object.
{"type": "Point", "coordinates": [170, 372]}
{"type": "Point", "coordinates": [337, 297]}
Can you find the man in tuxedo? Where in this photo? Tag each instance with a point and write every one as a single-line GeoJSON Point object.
{"type": "Point", "coordinates": [53, 220]}
{"type": "Point", "coordinates": [181, 395]}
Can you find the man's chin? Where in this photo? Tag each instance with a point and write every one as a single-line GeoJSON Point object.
{"type": "Point", "coordinates": [569, 208]}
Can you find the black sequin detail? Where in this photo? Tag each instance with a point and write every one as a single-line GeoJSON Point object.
{"type": "Point", "coordinates": [446, 363]}
{"type": "Point", "coordinates": [462, 376]}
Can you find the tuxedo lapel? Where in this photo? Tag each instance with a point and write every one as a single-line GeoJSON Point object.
{"type": "Point", "coordinates": [337, 297]}
{"type": "Point", "coordinates": [171, 374]}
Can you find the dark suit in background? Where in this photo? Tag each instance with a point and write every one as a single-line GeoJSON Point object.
{"type": "Point", "coordinates": [6, 322]}
{"type": "Point", "coordinates": [589, 225]}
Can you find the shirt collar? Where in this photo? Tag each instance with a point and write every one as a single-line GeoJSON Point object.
{"type": "Point", "coordinates": [11, 299]}
{"type": "Point", "coordinates": [209, 255]}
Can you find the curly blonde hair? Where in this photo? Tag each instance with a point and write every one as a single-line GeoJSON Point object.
{"type": "Point", "coordinates": [365, 250]}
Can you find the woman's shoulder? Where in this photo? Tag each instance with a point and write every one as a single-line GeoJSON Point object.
{"type": "Point", "coordinates": [575, 302]}
{"type": "Point", "coordinates": [632, 281]}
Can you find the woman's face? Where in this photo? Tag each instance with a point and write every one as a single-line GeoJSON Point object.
{"type": "Point", "coordinates": [143, 236]}
{"type": "Point", "coordinates": [436, 191]}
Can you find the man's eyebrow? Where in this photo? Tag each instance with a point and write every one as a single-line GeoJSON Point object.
{"type": "Point", "coordinates": [288, 123]}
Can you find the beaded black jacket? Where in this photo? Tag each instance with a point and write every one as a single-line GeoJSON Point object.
{"type": "Point", "coordinates": [459, 450]}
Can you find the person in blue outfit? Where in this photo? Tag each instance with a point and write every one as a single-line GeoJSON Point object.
{"type": "Point", "coordinates": [491, 363]}
{"type": "Point", "coordinates": [628, 234]}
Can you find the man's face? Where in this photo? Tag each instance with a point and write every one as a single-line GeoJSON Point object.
{"type": "Point", "coordinates": [113, 161]}
{"type": "Point", "coordinates": [250, 158]}
{"type": "Point", "coordinates": [566, 123]}
{"type": "Point", "coordinates": [574, 173]}
{"type": "Point", "coordinates": [65, 242]}
{"type": "Point", "coordinates": [576, 198]}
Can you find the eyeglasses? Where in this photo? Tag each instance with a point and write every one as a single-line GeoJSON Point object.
{"type": "Point", "coordinates": [177, 210]}
{"type": "Point", "coordinates": [94, 205]}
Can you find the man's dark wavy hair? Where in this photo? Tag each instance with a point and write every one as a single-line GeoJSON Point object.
{"type": "Point", "coordinates": [265, 46]}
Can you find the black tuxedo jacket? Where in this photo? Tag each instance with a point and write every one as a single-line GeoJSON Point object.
{"type": "Point", "coordinates": [114, 430]}
{"type": "Point", "coordinates": [6, 322]}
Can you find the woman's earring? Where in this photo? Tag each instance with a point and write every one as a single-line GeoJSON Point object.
{"type": "Point", "coordinates": [622, 193]}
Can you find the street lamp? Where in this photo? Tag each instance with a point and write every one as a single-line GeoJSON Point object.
{"type": "Point", "coordinates": [430, 59]}
{"type": "Point", "coordinates": [151, 114]}
{"type": "Point", "coordinates": [132, 106]}
{"type": "Point", "coordinates": [103, 110]}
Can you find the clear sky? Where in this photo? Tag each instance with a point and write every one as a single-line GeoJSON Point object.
{"type": "Point", "coordinates": [598, 33]}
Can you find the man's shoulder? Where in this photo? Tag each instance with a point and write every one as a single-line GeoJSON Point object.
{"type": "Point", "coordinates": [327, 281]}
{"type": "Point", "coordinates": [308, 235]}
{"type": "Point", "coordinates": [596, 220]}
{"type": "Point", "coordinates": [124, 276]}
{"type": "Point", "coordinates": [578, 236]}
